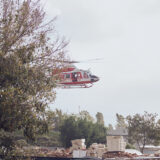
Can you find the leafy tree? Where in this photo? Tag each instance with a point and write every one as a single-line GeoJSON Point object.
{"type": "Point", "coordinates": [85, 115]}
{"type": "Point", "coordinates": [7, 144]}
{"type": "Point", "coordinates": [69, 130]}
{"type": "Point", "coordinates": [130, 146]}
{"type": "Point", "coordinates": [98, 135]}
{"type": "Point", "coordinates": [142, 129]}
{"type": "Point", "coordinates": [100, 119]}
{"type": "Point", "coordinates": [55, 119]}
{"type": "Point", "coordinates": [156, 134]}
{"type": "Point", "coordinates": [110, 127]}
{"type": "Point", "coordinates": [121, 123]}
{"type": "Point", "coordinates": [77, 128]}
{"type": "Point", "coordinates": [27, 56]}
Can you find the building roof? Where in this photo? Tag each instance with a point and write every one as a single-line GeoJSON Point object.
{"type": "Point", "coordinates": [117, 132]}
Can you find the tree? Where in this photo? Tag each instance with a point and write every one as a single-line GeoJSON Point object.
{"type": "Point", "coordinates": [100, 119]}
{"type": "Point", "coordinates": [142, 129]}
{"type": "Point", "coordinates": [77, 128]}
{"type": "Point", "coordinates": [68, 131]}
{"type": "Point", "coordinates": [55, 119]}
{"type": "Point", "coordinates": [85, 115]}
{"type": "Point", "coordinates": [121, 123]}
{"type": "Point", "coordinates": [110, 127]}
{"type": "Point", "coordinates": [156, 134]}
{"type": "Point", "coordinates": [27, 57]}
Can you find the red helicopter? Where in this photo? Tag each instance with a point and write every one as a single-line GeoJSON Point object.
{"type": "Point", "coordinates": [72, 77]}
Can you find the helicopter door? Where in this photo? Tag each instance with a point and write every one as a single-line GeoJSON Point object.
{"type": "Point", "coordinates": [74, 76]}
{"type": "Point", "coordinates": [79, 76]}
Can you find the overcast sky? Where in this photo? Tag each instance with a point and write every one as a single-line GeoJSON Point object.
{"type": "Point", "coordinates": [126, 35]}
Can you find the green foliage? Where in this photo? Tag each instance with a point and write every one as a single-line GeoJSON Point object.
{"type": "Point", "coordinates": [121, 122]}
{"type": "Point", "coordinates": [8, 146]}
{"type": "Point", "coordinates": [51, 139]}
{"type": "Point", "coordinates": [142, 129]}
{"type": "Point", "coordinates": [100, 119]}
{"type": "Point", "coordinates": [7, 143]}
{"type": "Point", "coordinates": [130, 146]}
{"type": "Point", "coordinates": [85, 115]}
{"type": "Point", "coordinates": [55, 119]}
{"type": "Point", "coordinates": [27, 56]}
{"type": "Point", "coordinates": [77, 128]}
{"type": "Point", "coordinates": [110, 127]}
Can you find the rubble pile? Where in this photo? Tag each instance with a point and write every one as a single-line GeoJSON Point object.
{"type": "Point", "coordinates": [157, 155]}
{"type": "Point", "coordinates": [115, 149]}
{"type": "Point", "coordinates": [59, 153]}
{"type": "Point", "coordinates": [44, 152]}
{"type": "Point", "coordinates": [78, 144]}
{"type": "Point", "coordinates": [118, 154]}
{"type": "Point", "coordinates": [78, 148]}
{"type": "Point", "coordinates": [96, 150]}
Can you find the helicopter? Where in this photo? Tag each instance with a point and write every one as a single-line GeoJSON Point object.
{"type": "Point", "coordinates": [72, 77]}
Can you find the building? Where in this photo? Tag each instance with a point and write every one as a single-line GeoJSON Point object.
{"type": "Point", "coordinates": [116, 139]}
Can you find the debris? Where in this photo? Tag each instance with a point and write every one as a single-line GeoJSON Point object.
{"type": "Point", "coordinates": [78, 148]}
{"type": "Point", "coordinates": [59, 153]}
{"type": "Point", "coordinates": [46, 152]}
{"type": "Point", "coordinates": [78, 144]}
{"type": "Point", "coordinates": [117, 154]}
{"type": "Point", "coordinates": [133, 151]}
{"type": "Point", "coordinates": [96, 150]}
{"type": "Point", "coordinates": [79, 153]}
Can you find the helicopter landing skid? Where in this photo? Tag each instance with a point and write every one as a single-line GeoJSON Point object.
{"type": "Point", "coordinates": [66, 86]}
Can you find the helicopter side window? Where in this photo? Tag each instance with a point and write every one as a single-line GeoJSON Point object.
{"type": "Point", "coordinates": [67, 75]}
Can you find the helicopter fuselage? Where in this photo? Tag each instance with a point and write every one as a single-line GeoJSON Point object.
{"type": "Point", "coordinates": [77, 78]}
